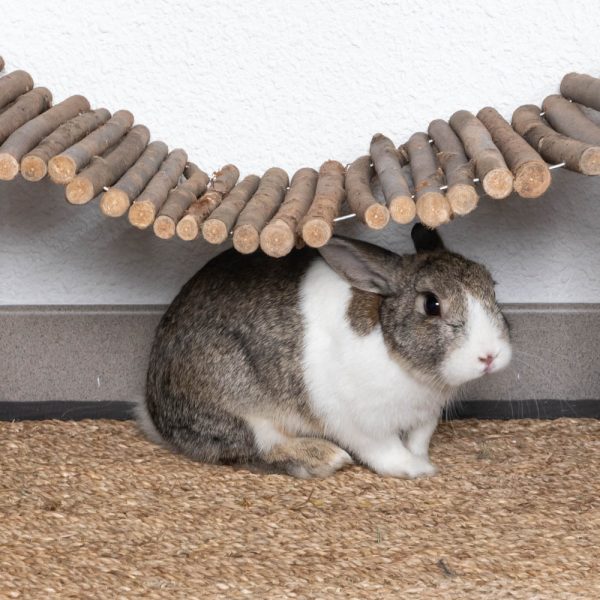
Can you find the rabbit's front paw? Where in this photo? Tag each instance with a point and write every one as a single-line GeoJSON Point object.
{"type": "Point", "coordinates": [418, 466]}
{"type": "Point", "coordinates": [405, 465]}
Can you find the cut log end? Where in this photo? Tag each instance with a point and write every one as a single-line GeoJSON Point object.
{"type": "Point", "coordinates": [433, 209]}
{"type": "Point", "coordinates": [377, 216]}
{"type": "Point", "coordinates": [62, 169]}
{"type": "Point", "coordinates": [141, 214]}
{"type": "Point", "coordinates": [33, 168]}
{"type": "Point", "coordinates": [402, 209]}
{"type": "Point", "coordinates": [214, 231]}
{"type": "Point", "coordinates": [164, 227]}
{"type": "Point", "coordinates": [590, 161]}
{"type": "Point", "coordinates": [114, 203]}
{"type": "Point", "coordinates": [187, 229]}
{"type": "Point", "coordinates": [498, 183]}
{"type": "Point", "coordinates": [9, 167]}
{"type": "Point", "coordinates": [316, 232]}
{"type": "Point", "coordinates": [463, 198]}
{"type": "Point", "coordinates": [277, 239]}
{"type": "Point", "coordinates": [79, 191]}
{"type": "Point", "coordinates": [532, 179]}
{"type": "Point", "coordinates": [246, 239]}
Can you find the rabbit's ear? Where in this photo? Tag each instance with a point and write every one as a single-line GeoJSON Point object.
{"type": "Point", "coordinates": [425, 239]}
{"type": "Point", "coordinates": [364, 266]}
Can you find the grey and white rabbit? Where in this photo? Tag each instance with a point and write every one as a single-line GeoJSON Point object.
{"type": "Point", "coordinates": [307, 363]}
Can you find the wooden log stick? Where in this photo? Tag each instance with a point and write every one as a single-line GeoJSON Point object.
{"type": "Point", "coordinates": [31, 133]}
{"type": "Point", "coordinates": [1, 63]}
{"type": "Point", "coordinates": [14, 85]}
{"type": "Point", "coordinates": [26, 107]}
{"type": "Point", "coordinates": [490, 167]}
{"type": "Point", "coordinates": [281, 233]}
{"type": "Point", "coordinates": [145, 207]}
{"type": "Point", "coordinates": [360, 199]}
{"type": "Point", "coordinates": [105, 170]}
{"type": "Point", "coordinates": [555, 147]}
{"type": "Point", "coordinates": [34, 165]}
{"type": "Point", "coordinates": [396, 192]}
{"type": "Point", "coordinates": [116, 201]}
{"type": "Point", "coordinates": [190, 225]}
{"type": "Point", "coordinates": [433, 207]}
{"type": "Point", "coordinates": [531, 173]}
{"type": "Point", "coordinates": [584, 89]}
{"type": "Point", "coordinates": [567, 118]}
{"type": "Point", "coordinates": [63, 167]}
{"type": "Point", "coordinates": [259, 210]}
{"type": "Point", "coordinates": [221, 221]}
{"type": "Point", "coordinates": [225, 179]}
{"type": "Point", "coordinates": [317, 225]}
{"type": "Point", "coordinates": [178, 200]}
{"type": "Point", "coordinates": [459, 171]}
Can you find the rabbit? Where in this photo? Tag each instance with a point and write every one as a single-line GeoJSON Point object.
{"type": "Point", "coordinates": [305, 364]}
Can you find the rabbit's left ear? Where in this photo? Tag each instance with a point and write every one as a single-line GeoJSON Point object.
{"type": "Point", "coordinates": [364, 266]}
{"type": "Point", "coordinates": [425, 239]}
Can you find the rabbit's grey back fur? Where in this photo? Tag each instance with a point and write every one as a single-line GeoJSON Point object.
{"type": "Point", "coordinates": [230, 343]}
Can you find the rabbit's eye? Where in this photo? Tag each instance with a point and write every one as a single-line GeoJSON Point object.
{"type": "Point", "coordinates": [432, 306]}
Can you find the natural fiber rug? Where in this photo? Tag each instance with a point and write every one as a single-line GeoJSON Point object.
{"type": "Point", "coordinates": [91, 510]}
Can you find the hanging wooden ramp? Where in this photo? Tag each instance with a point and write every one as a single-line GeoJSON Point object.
{"type": "Point", "coordinates": [434, 176]}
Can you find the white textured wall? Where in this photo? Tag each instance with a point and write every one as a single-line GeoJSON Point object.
{"type": "Point", "coordinates": [291, 84]}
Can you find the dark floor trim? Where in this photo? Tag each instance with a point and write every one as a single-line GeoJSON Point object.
{"type": "Point", "coordinates": [524, 409]}
{"type": "Point", "coordinates": [65, 410]}
{"type": "Point", "coordinates": [473, 409]}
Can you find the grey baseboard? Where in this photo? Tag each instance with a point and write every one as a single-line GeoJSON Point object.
{"type": "Point", "coordinates": [98, 354]}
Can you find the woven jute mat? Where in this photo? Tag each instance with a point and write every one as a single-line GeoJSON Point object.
{"type": "Point", "coordinates": [90, 509]}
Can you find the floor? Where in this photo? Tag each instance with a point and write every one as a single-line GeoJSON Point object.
{"type": "Point", "coordinates": [90, 509]}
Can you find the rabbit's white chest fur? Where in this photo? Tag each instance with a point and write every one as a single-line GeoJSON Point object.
{"type": "Point", "coordinates": [353, 384]}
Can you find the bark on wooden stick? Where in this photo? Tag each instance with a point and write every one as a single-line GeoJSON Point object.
{"type": "Point", "coordinates": [395, 188]}
{"type": "Point", "coordinates": [145, 207]}
{"type": "Point", "coordinates": [116, 201]}
{"type": "Point", "coordinates": [190, 225]}
{"type": "Point", "coordinates": [584, 89]}
{"type": "Point", "coordinates": [1, 63]}
{"type": "Point", "coordinates": [433, 207]}
{"type": "Point", "coordinates": [261, 207]}
{"type": "Point", "coordinates": [221, 221]}
{"type": "Point", "coordinates": [14, 85]}
{"type": "Point", "coordinates": [31, 133]}
{"type": "Point", "coordinates": [555, 147]}
{"type": "Point", "coordinates": [179, 200]}
{"type": "Point", "coordinates": [567, 118]}
{"type": "Point", "coordinates": [360, 199]}
{"type": "Point", "coordinates": [458, 169]}
{"type": "Point", "coordinates": [225, 179]}
{"type": "Point", "coordinates": [281, 233]}
{"type": "Point", "coordinates": [490, 167]}
{"type": "Point", "coordinates": [106, 170]}
{"type": "Point", "coordinates": [531, 173]}
{"type": "Point", "coordinates": [34, 165]}
{"type": "Point", "coordinates": [63, 167]}
{"type": "Point", "coordinates": [317, 225]}
{"type": "Point", "coordinates": [26, 107]}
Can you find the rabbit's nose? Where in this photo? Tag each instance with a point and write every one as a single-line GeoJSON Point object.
{"type": "Point", "coordinates": [488, 359]}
